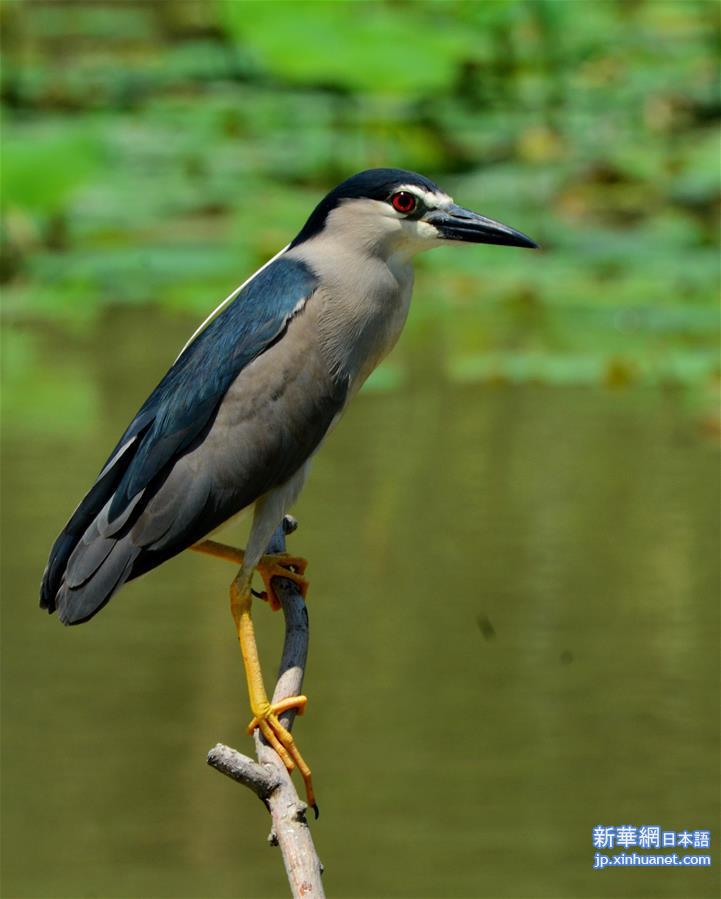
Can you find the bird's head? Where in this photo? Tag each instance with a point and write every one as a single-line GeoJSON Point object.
{"type": "Point", "coordinates": [396, 211]}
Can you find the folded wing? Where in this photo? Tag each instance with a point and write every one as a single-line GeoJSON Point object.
{"type": "Point", "coordinates": [201, 448]}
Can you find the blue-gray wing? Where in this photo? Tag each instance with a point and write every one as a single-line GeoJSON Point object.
{"type": "Point", "coordinates": [206, 443]}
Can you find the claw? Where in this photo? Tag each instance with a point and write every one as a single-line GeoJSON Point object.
{"type": "Point", "coordinates": [292, 702]}
{"type": "Point", "coordinates": [266, 720]}
{"type": "Point", "coordinates": [282, 565]}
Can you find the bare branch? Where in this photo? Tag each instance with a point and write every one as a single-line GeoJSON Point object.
{"type": "Point", "coordinates": [269, 780]}
{"type": "Point", "coordinates": [239, 767]}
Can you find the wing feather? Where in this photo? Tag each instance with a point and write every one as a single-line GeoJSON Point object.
{"type": "Point", "coordinates": [99, 547]}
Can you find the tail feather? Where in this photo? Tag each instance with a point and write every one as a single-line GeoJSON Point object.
{"type": "Point", "coordinates": [87, 557]}
{"type": "Point", "coordinates": [76, 604]}
{"type": "Point", "coordinates": [86, 517]}
{"type": "Point", "coordinates": [96, 554]}
{"type": "Point", "coordinates": [55, 569]}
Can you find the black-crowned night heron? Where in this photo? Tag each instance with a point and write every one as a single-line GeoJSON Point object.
{"type": "Point", "coordinates": [236, 419]}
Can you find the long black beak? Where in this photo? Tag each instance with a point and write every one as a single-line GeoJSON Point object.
{"type": "Point", "coordinates": [456, 223]}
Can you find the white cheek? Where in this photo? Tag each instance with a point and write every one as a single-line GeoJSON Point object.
{"type": "Point", "coordinates": [426, 231]}
{"type": "Point", "coordinates": [419, 232]}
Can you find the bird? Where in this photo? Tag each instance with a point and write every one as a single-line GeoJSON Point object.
{"type": "Point", "coordinates": [235, 421]}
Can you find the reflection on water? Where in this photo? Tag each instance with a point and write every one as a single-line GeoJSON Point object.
{"type": "Point", "coordinates": [515, 637]}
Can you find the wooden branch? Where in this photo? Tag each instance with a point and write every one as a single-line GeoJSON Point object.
{"type": "Point", "coordinates": [268, 777]}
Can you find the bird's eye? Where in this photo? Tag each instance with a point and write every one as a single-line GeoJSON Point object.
{"type": "Point", "coordinates": [404, 202]}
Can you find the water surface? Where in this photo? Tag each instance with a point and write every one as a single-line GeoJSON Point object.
{"type": "Point", "coordinates": [515, 633]}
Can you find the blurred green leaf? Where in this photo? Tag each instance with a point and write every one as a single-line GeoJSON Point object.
{"type": "Point", "coordinates": [170, 150]}
{"type": "Point", "coordinates": [44, 162]}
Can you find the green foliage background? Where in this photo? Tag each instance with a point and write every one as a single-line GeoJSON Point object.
{"type": "Point", "coordinates": [531, 553]}
{"type": "Point", "coordinates": [157, 152]}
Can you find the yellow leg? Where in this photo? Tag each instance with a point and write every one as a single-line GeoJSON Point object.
{"type": "Point", "coordinates": [269, 566]}
{"type": "Point", "coordinates": [265, 714]}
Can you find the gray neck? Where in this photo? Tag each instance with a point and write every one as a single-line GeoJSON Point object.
{"type": "Point", "coordinates": [361, 304]}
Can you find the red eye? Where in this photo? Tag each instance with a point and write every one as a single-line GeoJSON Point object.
{"type": "Point", "coordinates": [404, 202]}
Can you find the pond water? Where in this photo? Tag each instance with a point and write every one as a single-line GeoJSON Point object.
{"type": "Point", "coordinates": [515, 632]}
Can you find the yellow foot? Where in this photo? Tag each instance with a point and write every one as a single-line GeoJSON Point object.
{"type": "Point", "coordinates": [266, 719]}
{"type": "Point", "coordinates": [282, 565]}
